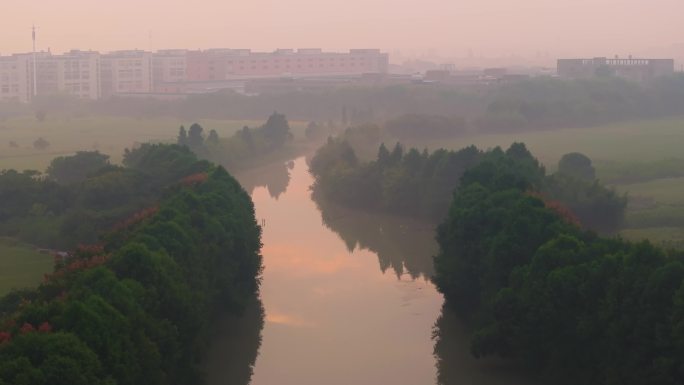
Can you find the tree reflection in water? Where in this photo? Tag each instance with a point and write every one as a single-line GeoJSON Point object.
{"type": "Point", "coordinates": [235, 347]}
{"type": "Point", "coordinates": [457, 366]}
{"type": "Point", "coordinates": [274, 176]}
{"type": "Point", "coordinates": [402, 244]}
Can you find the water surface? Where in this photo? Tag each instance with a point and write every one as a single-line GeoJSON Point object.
{"type": "Point", "coordinates": [346, 298]}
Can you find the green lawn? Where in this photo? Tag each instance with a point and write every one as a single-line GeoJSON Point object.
{"type": "Point", "coordinates": [21, 266]}
{"type": "Point", "coordinates": [638, 141]}
{"type": "Point", "coordinates": [668, 236]}
{"type": "Point", "coordinates": [656, 210]}
{"type": "Point", "coordinates": [109, 135]}
{"type": "Point", "coordinates": [666, 191]}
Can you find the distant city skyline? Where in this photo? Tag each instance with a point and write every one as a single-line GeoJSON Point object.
{"type": "Point", "coordinates": [533, 29]}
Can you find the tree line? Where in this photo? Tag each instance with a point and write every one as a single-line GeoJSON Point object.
{"type": "Point", "coordinates": [80, 196]}
{"type": "Point", "coordinates": [420, 184]}
{"type": "Point", "coordinates": [242, 148]}
{"type": "Point", "coordinates": [537, 288]}
{"type": "Point", "coordinates": [137, 306]}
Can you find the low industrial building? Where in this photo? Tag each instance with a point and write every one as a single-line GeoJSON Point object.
{"type": "Point", "coordinates": [637, 70]}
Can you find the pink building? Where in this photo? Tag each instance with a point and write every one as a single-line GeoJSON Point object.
{"type": "Point", "coordinates": [243, 64]}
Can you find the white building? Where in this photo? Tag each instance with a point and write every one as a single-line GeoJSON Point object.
{"type": "Point", "coordinates": [76, 73]}
{"type": "Point", "coordinates": [15, 78]}
{"type": "Point", "coordinates": [91, 75]}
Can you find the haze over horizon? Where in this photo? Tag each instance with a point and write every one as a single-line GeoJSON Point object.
{"type": "Point", "coordinates": [406, 28]}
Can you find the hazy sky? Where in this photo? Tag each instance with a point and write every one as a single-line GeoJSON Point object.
{"type": "Point", "coordinates": [427, 27]}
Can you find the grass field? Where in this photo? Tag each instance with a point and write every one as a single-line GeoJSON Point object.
{"type": "Point", "coordinates": [21, 266]}
{"type": "Point", "coordinates": [638, 141]}
{"type": "Point", "coordinates": [658, 214]}
{"type": "Point", "coordinates": [666, 191]}
{"type": "Point", "coordinates": [109, 135]}
{"type": "Point", "coordinates": [667, 236]}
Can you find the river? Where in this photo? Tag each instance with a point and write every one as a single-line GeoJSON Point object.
{"type": "Point", "coordinates": [345, 299]}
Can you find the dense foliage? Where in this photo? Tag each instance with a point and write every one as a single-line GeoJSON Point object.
{"type": "Point", "coordinates": [76, 168]}
{"type": "Point", "coordinates": [91, 194]}
{"type": "Point", "coordinates": [137, 308]}
{"type": "Point", "coordinates": [572, 305]}
{"type": "Point", "coordinates": [245, 147]}
{"type": "Point", "coordinates": [412, 183]}
{"type": "Point", "coordinates": [420, 184]}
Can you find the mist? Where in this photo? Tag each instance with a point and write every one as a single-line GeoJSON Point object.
{"type": "Point", "coordinates": [484, 192]}
{"type": "Point", "coordinates": [535, 30]}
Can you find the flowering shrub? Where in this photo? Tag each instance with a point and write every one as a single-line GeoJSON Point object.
{"type": "Point", "coordinates": [5, 337]}
{"type": "Point", "coordinates": [76, 265]}
{"type": "Point", "coordinates": [27, 328]}
{"type": "Point", "coordinates": [136, 218]}
{"type": "Point", "coordinates": [557, 207]}
{"type": "Point", "coordinates": [45, 327]}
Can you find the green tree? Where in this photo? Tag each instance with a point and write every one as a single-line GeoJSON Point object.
{"type": "Point", "coordinates": [313, 131]}
{"type": "Point", "coordinates": [182, 136]}
{"type": "Point", "coordinates": [50, 359]}
{"type": "Point", "coordinates": [577, 165]}
{"type": "Point", "coordinates": [345, 119]}
{"type": "Point", "coordinates": [276, 130]}
{"type": "Point", "coordinates": [75, 168]}
{"type": "Point", "coordinates": [570, 305]}
{"type": "Point", "coordinates": [213, 138]}
{"type": "Point", "coordinates": [41, 144]}
{"type": "Point", "coordinates": [195, 137]}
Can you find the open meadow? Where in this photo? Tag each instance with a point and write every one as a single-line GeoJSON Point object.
{"type": "Point", "coordinates": [21, 266]}
{"type": "Point", "coordinates": [634, 141]}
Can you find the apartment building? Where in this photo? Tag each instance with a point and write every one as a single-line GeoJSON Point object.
{"type": "Point", "coordinates": [169, 70]}
{"type": "Point", "coordinates": [126, 72]}
{"type": "Point", "coordinates": [211, 64]}
{"type": "Point", "coordinates": [244, 64]}
{"type": "Point", "coordinates": [15, 78]}
{"type": "Point", "coordinates": [91, 75]}
{"type": "Point", "coordinates": [76, 73]}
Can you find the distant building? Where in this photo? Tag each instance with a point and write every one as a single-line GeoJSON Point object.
{"type": "Point", "coordinates": [638, 70]}
{"type": "Point", "coordinates": [92, 75]}
{"type": "Point", "coordinates": [496, 72]}
{"type": "Point", "coordinates": [126, 72]}
{"type": "Point", "coordinates": [169, 69]}
{"type": "Point", "coordinates": [15, 79]}
{"type": "Point", "coordinates": [437, 75]}
{"type": "Point", "coordinates": [225, 64]}
{"type": "Point", "coordinates": [210, 65]}
{"type": "Point", "coordinates": [76, 73]}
